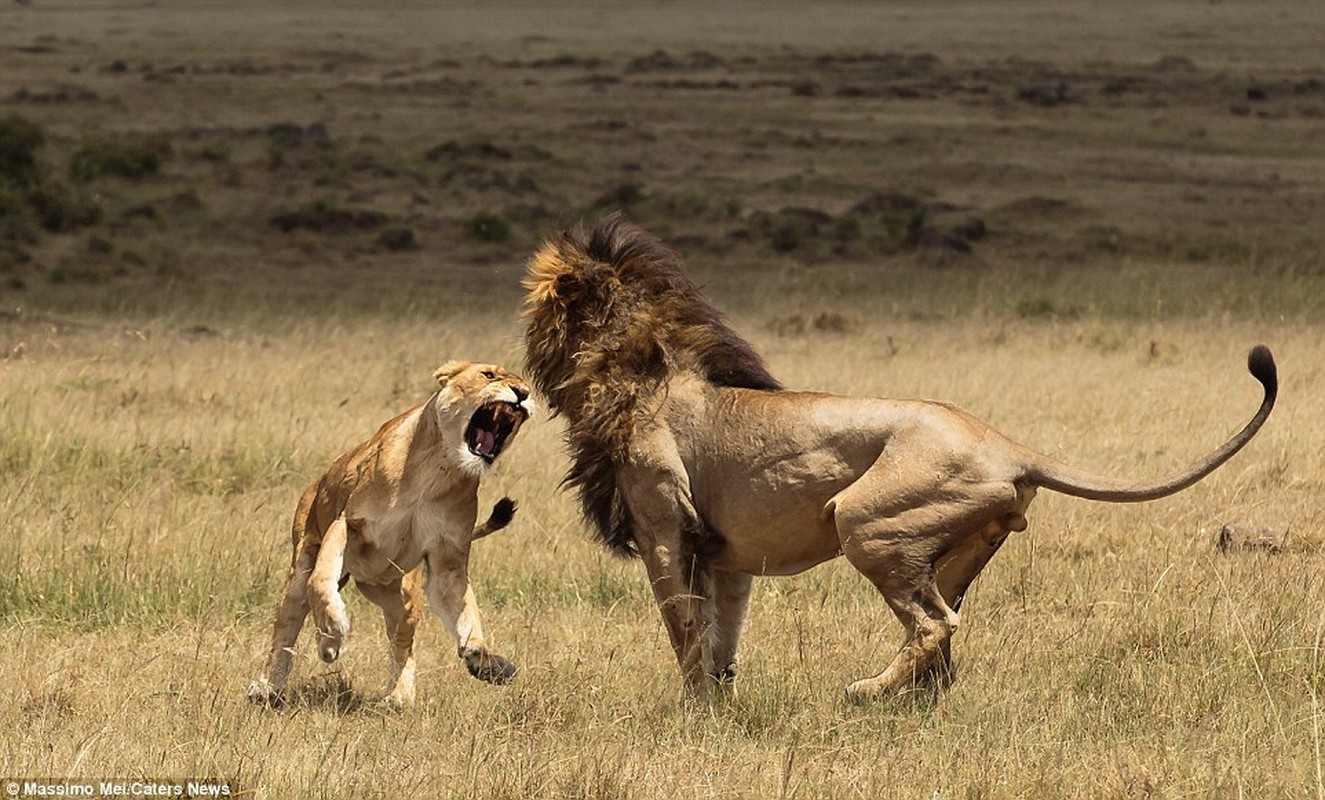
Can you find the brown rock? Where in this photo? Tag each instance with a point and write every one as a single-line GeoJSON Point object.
{"type": "Point", "coordinates": [1240, 536]}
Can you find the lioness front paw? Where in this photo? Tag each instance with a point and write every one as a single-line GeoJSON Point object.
{"type": "Point", "coordinates": [332, 641]}
{"type": "Point", "coordinates": [490, 668]}
{"type": "Point", "coordinates": [397, 701]}
{"type": "Point", "coordinates": [503, 511]}
{"type": "Point", "coordinates": [329, 650]}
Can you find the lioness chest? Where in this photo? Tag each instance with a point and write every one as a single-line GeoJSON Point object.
{"type": "Point", "coordinates": [393, 533]}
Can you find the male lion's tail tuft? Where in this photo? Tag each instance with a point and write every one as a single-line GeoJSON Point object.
{"type": "Point", "coordinates": [1260, 363]}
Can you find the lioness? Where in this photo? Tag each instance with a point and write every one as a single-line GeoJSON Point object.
{"type": "Point", "coordinates": [688, 454]}
{"type": "Point", "coordinates": [404, 500]}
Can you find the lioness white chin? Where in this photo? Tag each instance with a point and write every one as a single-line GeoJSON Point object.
{"type": "Point", "coordinates": [405, 500]}
{"type": "Point", "coordinates": [687, 453]}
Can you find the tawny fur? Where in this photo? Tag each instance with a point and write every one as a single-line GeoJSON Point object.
{"type": "Point", "coordinates": [687, 453]}
{"type": "Point", "coordinates": [397, 514]}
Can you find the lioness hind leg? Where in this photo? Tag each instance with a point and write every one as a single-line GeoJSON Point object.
{"type": "Point", "coordinates": [325, 603]}
{"type": "Point", "coordinates": [402, 604]}
{"type": "Point", "coordinates": [290, 613]}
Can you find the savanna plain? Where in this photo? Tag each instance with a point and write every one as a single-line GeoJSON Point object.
{"type": "Point", "coordinates": [236, 237]}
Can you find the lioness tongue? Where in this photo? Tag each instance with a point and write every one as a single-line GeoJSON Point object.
{"type": "Point", "coordinates": [487, 442]}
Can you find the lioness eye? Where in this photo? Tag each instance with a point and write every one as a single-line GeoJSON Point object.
{"type": "Point", "coordinates": [489, 374]}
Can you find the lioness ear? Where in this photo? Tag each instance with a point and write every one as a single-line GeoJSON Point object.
{"type": "Point", "coordinates": [449, 370]}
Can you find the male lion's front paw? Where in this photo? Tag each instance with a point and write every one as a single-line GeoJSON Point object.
{"type": "Point", "coordinates": [488, 667]}
{"type": "Point", "coordinates": [725, 678]}
{"type": "Point", "coordinates": [264, 693]}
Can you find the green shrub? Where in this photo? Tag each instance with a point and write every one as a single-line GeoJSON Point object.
{"type": "Point", "coordinates": [1040, 307]}
{"type": "Point", "coordinates": [904, 227]}
{"type": "Point", "coordinates": [99, 246]}
{"type": "Point", "coordinates": [489, 227]}
{"type": "Point", "coordinates": [132, 157]}
{"type": "Point", "coordinates": [793, 229]}
{"type": "Point", "coordinates": [19, 141]}
{"type": "Point", "coordinates": [13, 201]}
{"type": "Point", "coordinates": [60, 208]}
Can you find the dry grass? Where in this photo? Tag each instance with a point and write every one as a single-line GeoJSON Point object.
{"type": "Point", "coordinates": [1108, 651]}
{"type": "Point", "coordinates": [173, 379]}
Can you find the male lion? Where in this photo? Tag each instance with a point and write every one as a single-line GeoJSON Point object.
{"type": "Point", "coordinates": [403, 500]}
{"type": "Point", "coordinates": [687, 454]}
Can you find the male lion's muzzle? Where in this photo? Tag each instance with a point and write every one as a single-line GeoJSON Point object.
{"type": "Point", "coordinates": [492, 426]}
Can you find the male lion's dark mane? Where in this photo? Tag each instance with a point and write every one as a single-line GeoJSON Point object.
{"type": "Point", "coordinates": [612, 316]}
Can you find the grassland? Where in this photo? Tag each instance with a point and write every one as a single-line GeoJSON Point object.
{"type": "Point", "coordinates": [1072, 219]}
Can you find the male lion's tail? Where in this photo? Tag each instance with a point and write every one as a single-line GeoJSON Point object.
{"type": "Point", "coordinates": [1050, 474]}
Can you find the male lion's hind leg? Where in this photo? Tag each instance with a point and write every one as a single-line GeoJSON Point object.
{"type": "Point", "coordinates": [325, 603]}
{"type": "Point", "coordinates": [958, 569]}
{"type": "Point", "coordinates": [290, 613]}
{"type": "Point", "coordinates": [902, 533]}
{"type": "Point", "coordinates": [930, 624]}
{"type": "Point", "coordinates": [402, 605]}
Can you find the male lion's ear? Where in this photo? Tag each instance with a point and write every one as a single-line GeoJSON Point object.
{"type": "Point", "coordinates": [449, 370]}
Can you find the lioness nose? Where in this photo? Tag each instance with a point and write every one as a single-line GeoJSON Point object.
{"type": "Point", "coordinates": [520, 393]}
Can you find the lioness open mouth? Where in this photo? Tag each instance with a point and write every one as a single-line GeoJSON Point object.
{"type": "Point", "coordinates": [491, 427]}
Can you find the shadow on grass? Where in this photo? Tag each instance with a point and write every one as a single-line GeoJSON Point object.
{"type": "Point", "coordinates": [331, 692]}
